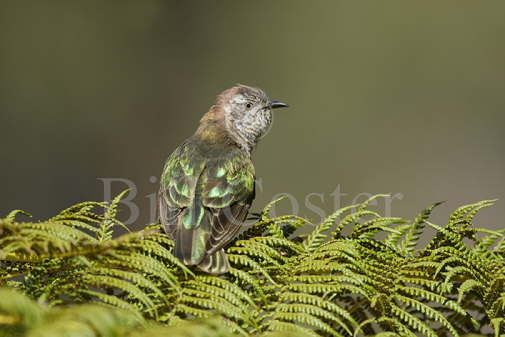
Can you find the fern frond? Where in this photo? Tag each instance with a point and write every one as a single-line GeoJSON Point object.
{"type": "Point", "coordinates": [413, 322]}
{"type": "Point", "coordinates": [318, 235]}
{"type": "Point", "coordinates": [417, 228]}
{"type": "Point", "coordinates": [11, 216]}
{"type": "Point", "coordinates": [276, 325]}
{"type": "Point", "coordinates": [427, 311]}
{"type": "Point", "coordinates": [105, 230]}
{"type": "Point", "coordinates": [374, 281]}
{"type": "Point", "coordinates": [302, 318]}
{"type": "Point", "coordinates": [247, 262]}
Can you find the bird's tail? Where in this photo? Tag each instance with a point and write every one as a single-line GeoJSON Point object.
{"type": "Point", "coordinates": [190, 245]}
{"type": "Point", "coordinates": [216, 263]}
{"type": "Point", "coordinates": [193, 231]}
{"type": "Point", "coordinates": [191, 236]}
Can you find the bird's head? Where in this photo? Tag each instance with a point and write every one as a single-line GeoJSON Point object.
{"type": "Point", "coordinates": [246, 113]}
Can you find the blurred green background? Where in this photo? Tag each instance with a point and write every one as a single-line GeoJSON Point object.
{"type": "Point", "coordinates": [399, 97]}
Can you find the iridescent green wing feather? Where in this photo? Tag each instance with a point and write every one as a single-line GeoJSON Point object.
{"type": "Point", "coordinates": [204, 197]}
{"type": "Point", "coordinates": [228, 191]}
{"type": "Point", "coordinates": [178, 185]}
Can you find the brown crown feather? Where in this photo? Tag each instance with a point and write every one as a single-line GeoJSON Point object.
{"type": "Point", "coordinates": [216, 111]}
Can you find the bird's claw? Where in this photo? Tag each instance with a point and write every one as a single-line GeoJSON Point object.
{"type": "Point", "coordinates": [255, 216]}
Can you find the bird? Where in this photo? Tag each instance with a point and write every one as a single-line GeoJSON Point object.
{"type": "Point", "coordinates": [208, 182]}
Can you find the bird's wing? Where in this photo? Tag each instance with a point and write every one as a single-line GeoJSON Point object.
{"type": "Point", "coordinates": [228, 191]}
{"type": "Point", "coordinates": [178, 185]}
{"type": "Point", "coordinates": [204, 198]}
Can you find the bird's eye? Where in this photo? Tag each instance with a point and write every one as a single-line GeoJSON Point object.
{"type": "Point", "coordinates": [248, 105]}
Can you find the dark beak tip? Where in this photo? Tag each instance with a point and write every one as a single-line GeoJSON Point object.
{"type": "Point", "coordinates": [277, 104]}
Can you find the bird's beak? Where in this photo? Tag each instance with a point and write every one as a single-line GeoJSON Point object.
{"type": "Point", "coordinates": [277, 104]}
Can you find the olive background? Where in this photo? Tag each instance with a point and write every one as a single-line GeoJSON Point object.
{"type": "Point", "coordinates": [397, 97]}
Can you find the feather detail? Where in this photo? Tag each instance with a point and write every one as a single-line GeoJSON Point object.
{"type": "Point", "coordinates": [215, 264]}
{"type": "Point", "coordinates": [193, 215]}
{"type": "Point", "coordinates": [207, 187]}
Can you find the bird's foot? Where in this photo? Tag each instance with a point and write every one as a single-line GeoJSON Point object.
{"type": "Point", "coordinates": [255, 216]}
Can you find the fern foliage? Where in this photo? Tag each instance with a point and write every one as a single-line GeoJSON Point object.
{"type": "Point", "coordinates": [355, 274]}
